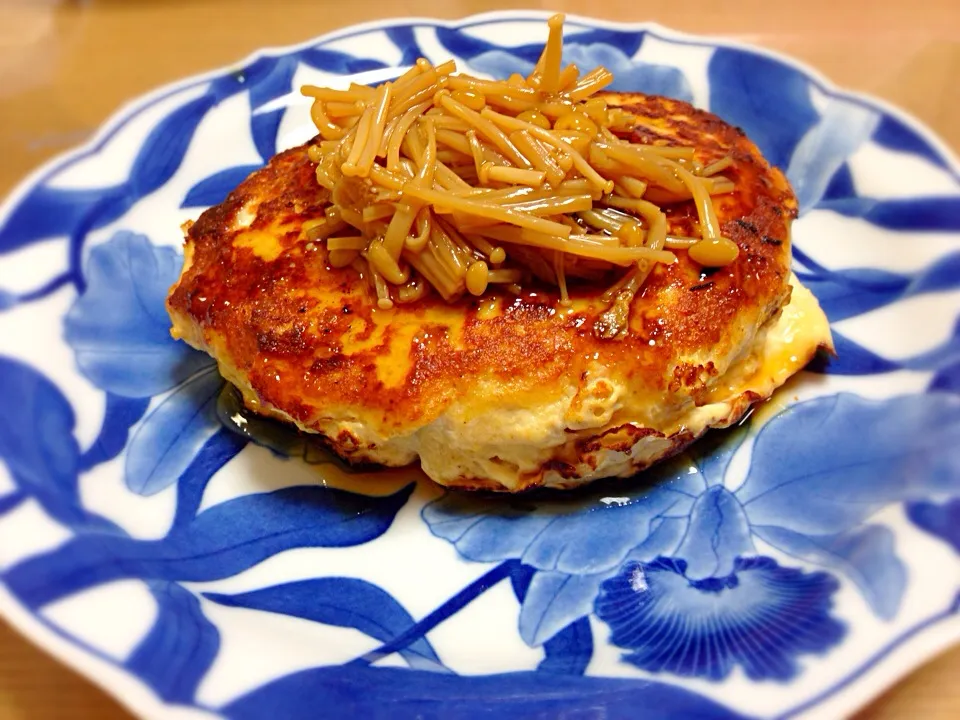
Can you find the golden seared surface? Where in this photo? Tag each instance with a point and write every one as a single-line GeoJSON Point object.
{"type": "Point", "coordinates": [306, 342]}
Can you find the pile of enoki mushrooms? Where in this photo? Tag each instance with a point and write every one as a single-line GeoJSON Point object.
{"type": "Point", "coordinates": [458, 183]}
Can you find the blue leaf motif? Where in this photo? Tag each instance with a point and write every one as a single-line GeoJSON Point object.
{"type": "Point", "coordinates": [592, 542]}
{"type": "Point", "coordinates": [768, 99]}
{"type": "Point", "coordinates": [629, 76]}
{"type": "Point", "coordinates": [119, 328]}
{"type": "Point", "coordinates": [862, 460]}
{"type": "Point", "coordinates": [841, 185]}
{"type": "Point", "coordinates": [405, 40]}
{"type": "Point", "coordinates": [171, 435]}
{"type": "Point", "coordinates": [386, 693]}
{"type": "Point", "coordinates": [853, 291]}
{"type": "Point", "coordinates": [489, 58]}
{"type": "Point", "coordinates": [865, 555]}
{"type": "Point", "coordinates": [214, 189]}
{"type": "Point", "coordinates": [164, 148]}
{"type": "Point", "coordinates": [36, 438]}
{"type": "Point", "coordinates": [520, 577]}
{"type": "Point", "coordinates": [180, 648]}
{"type": "Point", "coordinates": [232, 83]}
{"type": "Point", "coordinates": [119, 416]}
{"type": "Point", "coordinates": [500, 63]}
{"type": "Point", "coordinates": [843, 126]}
{"type": "Point", "coordinates": [569, 651]}
{"type": "Point", "coordinates": [941, 275]}
{"type": "Point", "coordinates": [510, 569]}
{"type": "Point", "coordinates": [51, 212]}
{"type": "Point", "coordinates": [273, 82]}
{"type": "Point", "coordinates": [344, 602]}
{"type": "Point", "coordinates": [454, 41]}
{"type": "Point", "coordinates": [264, 127]}
{"type": "Point", "coordinates": [627, 42]}
{"type": "Point", "coordinates": [553, 601]}
{"type": "Point", "coordinates": [253, 74]}
{"type": "Point", "coordinates": [893, 134]}
{"type": "Point", "coordinates": [222, 541]}
{"type": "Point", "coordinates": [484, 531]}
{"type": "Point", "coordinates": [334, 61]}
{"type": "Point", "coordinates": [848, 293]}
{"type": "Point", "coordinates": [718, 534]}
{"type": "Point", "coordinates": [458, 43]}
{"type": "Point", "coordinates": [919, 214]}
{"type": "Point", "coordinates": [584, 534]}
{"type": "Point", "coordinates": [760, 618]}
{"type": "Point", "coordinates": [216, 452]}
{"type": "Point", "coordinates": [851, 359]}
{"type": "Point", "coordinates": [942, 520]}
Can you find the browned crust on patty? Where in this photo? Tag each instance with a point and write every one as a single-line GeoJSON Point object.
{"type": "Point", "coordinates": [308, 341]}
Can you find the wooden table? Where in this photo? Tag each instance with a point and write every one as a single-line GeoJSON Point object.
{"type": "Point", "coordinates": [66, 65]}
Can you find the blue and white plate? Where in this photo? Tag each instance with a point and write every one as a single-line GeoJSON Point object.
{"type": "Point", "coordinates": [795, 565]}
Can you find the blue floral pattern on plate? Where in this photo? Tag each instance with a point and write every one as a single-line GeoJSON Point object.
{"type": "Point", "coordinates": [761, 617]}
{"type": "Point", "coordinates": [795, 551]}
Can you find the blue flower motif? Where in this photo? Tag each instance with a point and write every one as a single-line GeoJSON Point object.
{"type": "Point", "coordinates": [760, 617]}
{"type": "Point", "coordinates": [848, 458]}
{"type": "Point", "coordinates": [119, 331]}
{"type": "Point", "coordinates": [629, 76]}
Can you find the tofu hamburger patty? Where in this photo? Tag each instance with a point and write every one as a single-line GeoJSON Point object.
{"type": "Point", "coordinates": [503, 392]}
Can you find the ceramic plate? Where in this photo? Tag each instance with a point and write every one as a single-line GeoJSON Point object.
{"type": "Point", "coordinates": [796, 564]}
